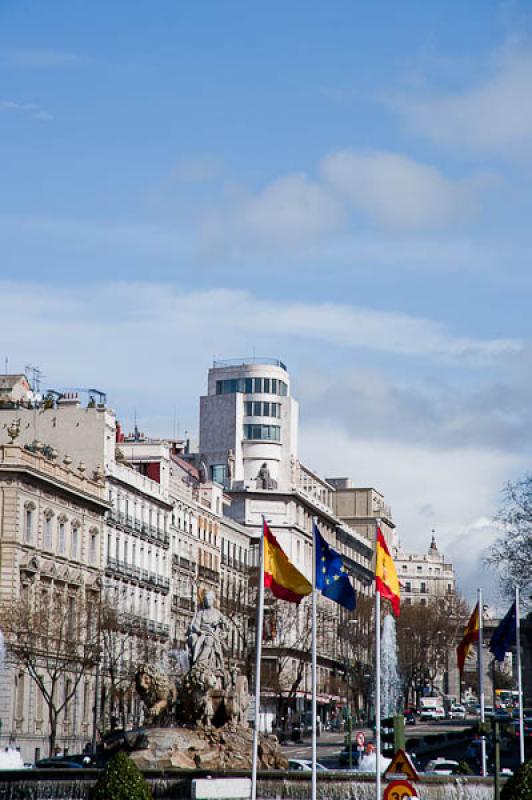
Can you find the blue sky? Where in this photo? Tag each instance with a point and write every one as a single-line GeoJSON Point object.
{"type": "Point", "coordinates": [343, 185]}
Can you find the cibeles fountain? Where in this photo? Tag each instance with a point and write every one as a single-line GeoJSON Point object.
{"type": "Point", "coordinates": [202, 722]}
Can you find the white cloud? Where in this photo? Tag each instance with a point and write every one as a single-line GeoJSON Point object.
{"type": "Point", "coordinates": [27, 58]}
{"type": "Point", "coordinates": [149, 346]}
{"type": "Point", "coordinates": [492, 116]}
{"type": "Point", "coordinates": [227, 317]}
{"type": "Point", "coordinates": [394, 190]}
{"type": "Point", "coordinates": [31, 109]}
{"type": "Point", "coordinates": [453, 491]}
{"type": "Point", "coordinates": [290, 208]}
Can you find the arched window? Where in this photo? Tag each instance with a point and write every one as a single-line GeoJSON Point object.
{"type": "Point", "coordinates": [93, 545]}
{"type": "Point", "coordinates": [48, 530]}
{"type": "Point", "coordinates": [29, 515]}
{"type": "Point", "coordinates": [74, 539]}
{"type": "Point", "coordinates": [61, 535]}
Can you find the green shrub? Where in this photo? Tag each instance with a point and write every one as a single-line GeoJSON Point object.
{"type": "Point", "coordinates": [122, 780]}
{"type": "Point", "coordinates": [519, 786]}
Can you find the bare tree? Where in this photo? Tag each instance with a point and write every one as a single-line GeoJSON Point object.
{"type": "Point", "coordinates": [356, 638]}
{"type": "Point", "coordinates": [55, 639]}
{"type": "Point", "coordinates": [425, 634]}
{"type": "Point", "coordinates": [511, 554]}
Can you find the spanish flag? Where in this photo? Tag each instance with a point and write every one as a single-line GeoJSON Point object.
{"type": "Point", "coordinates": [470, 636]}
{"type": "Point", "coordinates": [280, 575]}
{"type": "Point", "coordinates": [386, 581]}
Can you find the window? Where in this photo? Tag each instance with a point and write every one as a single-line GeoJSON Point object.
{"type": "Point", "coordinates": [48, 535]}
{"type": "Point", "coordinates": [218, 472]}
{"type": "Point", "coordinates": [61, 543]}
{"type": "Point", "coordinates": [252, 386]}
{"type": "Point", "coordinates": [28, 521]}
{"type": "Point", "coordinates": [423, 587]}
{"type": "Point", "coordinates": [419, 569]}
{"type": "Point", "coordinates": [93, 546]}
{"type": "Point", "coordinates": [404, 567]}
{"type": "Point", "coordinates": [263, 432]}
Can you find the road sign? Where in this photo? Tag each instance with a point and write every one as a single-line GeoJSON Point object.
{"type": "Point", "coordinates": [401, 765]}
{"type": "Point", "coordinates": [399, 790]}
{"type": "Point", "coordinates": [360, 739]}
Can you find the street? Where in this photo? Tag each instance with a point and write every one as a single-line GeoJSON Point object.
{"type": "Point", "coordinates": [330, 743]}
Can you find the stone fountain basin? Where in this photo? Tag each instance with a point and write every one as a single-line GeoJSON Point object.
{"type": "Point", "coordinates": [207, 748]}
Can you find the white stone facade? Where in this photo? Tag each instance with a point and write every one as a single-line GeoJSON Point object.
{"type": "Point", "coordinates": [425, 577]}
{"type": "Point", "coordinates": [52, 532]}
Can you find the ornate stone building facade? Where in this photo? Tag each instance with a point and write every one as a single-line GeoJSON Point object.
{"type": "Point", "coordinates": [51, 542]}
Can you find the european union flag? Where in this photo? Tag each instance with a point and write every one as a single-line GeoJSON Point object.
{"type": "Point", "coordinates": [331, 575]}
{"type": "Point", "coordinates": [504, 635]}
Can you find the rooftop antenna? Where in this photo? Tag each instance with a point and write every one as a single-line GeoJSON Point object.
{"type": "Point", "coordinates": [175, 421]}
{"type": "Point", "coordinates": [253, 352]}
{"type": "Point", "coordinates": [7, 364]}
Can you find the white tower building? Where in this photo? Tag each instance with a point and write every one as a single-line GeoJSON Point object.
{"type": "Point", "coordinates": [248, 425]}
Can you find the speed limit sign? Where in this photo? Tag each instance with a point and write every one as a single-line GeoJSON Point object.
{"type": "Point", "coordinates": [360, 739]}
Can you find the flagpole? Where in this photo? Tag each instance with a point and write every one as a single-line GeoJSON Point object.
{"type": "Point", "coordinates": [314, 663]}
{"type": "Point", "coordinates": [258, 659]}
{"type": "Point", "coordinates": [377, 686]}
{"type": "Point", "coordinates": [519, 677]}
{"type": "Point", "coordinates": [481, 680]}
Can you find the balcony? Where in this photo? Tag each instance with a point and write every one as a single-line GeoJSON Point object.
{"type": "Point", "coordinates": [182, 602]}
{"type": "Point", "coordinates": [123, 569]}
{"type": "Point", "coordinates": [245, 362]}
{"type": "Point", "coordinates": [137, 526]}
{"type": "Point", "coordinates": [209, 574]}
{"type": "Point", "coordinates": [183, 564]}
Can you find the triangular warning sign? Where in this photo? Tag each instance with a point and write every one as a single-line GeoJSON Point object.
{"type": "Point", "coordinates": [401, 764]}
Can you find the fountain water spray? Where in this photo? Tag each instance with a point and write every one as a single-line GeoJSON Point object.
{"type": "Point", "coordinates": [390, 682]}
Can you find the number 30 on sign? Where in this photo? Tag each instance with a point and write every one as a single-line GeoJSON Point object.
{"type": "Point", "coordinates": [398, 790]}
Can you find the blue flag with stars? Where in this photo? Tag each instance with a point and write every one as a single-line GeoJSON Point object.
{"type": "Point", "coordinates": [331, 574]}
{"type": "Point", "coordinates": [505, 635]}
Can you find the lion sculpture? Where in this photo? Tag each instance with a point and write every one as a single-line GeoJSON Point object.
{"type": "Point", "coordinates": [156, 691]}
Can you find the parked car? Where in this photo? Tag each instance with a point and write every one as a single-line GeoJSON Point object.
{"type": "Point", "coordinates": [435, 712]}
{"type": "Point", "coordinates": [304, 765]}
{"type": "Point", "coordinates": [457, 712]}
{"type": "Point", "coordinates": [410, 716]}
{"type": "Point", "coordinates": [441, 766]}
{"type": "Point", "coordinates": [343, 758]}
{"type": "Point", "coordinates": [64, 762]}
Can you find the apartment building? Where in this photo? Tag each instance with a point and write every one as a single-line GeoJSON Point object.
{"type": "Point", "coordinates": [248, 443]}
{"type": "Point", "coordinates": [52, 534]}
{"type": "Point", "coordinates": [425, 576]}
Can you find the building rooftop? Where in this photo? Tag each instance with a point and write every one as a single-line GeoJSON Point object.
{"type": "Point", "coordinates": [246, 362]}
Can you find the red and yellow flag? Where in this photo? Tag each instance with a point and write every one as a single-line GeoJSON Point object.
{"type": "Point", "coordinates": [470, 636]}
{"type": "Point", "coordinates": [386, 580]}
{"type": "Point", "coordinates": [280, 575]}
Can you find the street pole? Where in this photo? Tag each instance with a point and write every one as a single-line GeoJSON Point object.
{"type": "Point", "coordinates": [97, 673]}
{"type": "Point", "coordinates": [314, 662]}
{"type": "Point", "coordinates": [481, 682]}
{"type": "Point", "coordinates": [258, 659]}
{"type": "Point", "coordinates": [496, 741]}
{"type": "Point", "coordinates": [378, 695]}
{"type": "Point", "coordinates": [350, 737]}
{"type": "Point", "coordinates": [519, 677]}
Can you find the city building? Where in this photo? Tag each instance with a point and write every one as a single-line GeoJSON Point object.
{"type": "Point", "coordinates": [52, 541]}
{"type": "Point", "coordinates": [425, 577]}
{"type": "Point", "coordinates": [248, 443]}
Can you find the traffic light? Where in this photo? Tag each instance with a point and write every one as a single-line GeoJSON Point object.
{"type": "Point", "coordinates": [392, 735]}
